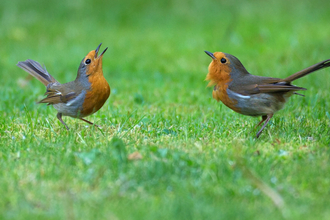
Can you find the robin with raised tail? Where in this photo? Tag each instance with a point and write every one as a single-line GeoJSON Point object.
{"type": "Point", "coordinates": [79, 98]}
{"type": "Point", "coordinates": [248, 94]}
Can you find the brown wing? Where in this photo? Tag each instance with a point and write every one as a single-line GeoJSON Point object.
{"type": "Point", "coordinates": [58, 94]}
{"type": "Point", "coordinates": [54, 97]}
{"type": "Point", "coordinates": [267, 88]}
{"type": "Point", "coordinates": [278, 87]}
{"type": "Point", "coordinates": [262, 85]}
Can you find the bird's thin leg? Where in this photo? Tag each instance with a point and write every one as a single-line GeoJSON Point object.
{"type": "Point", "coordinates": [91, 123]}
{"type": "Point", "coordinates": [266, 122]}
{"type": "Point", "coordinates": [59, 116]}
{"type": "Point", "coordinates": [264, 117]}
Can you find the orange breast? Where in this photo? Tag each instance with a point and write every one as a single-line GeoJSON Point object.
{"type": "Point", "coordinates": [219, 75]}
{"type": "Point", "coordinates": [96, 96]}
{"type": "Point", "coordinates": [220, 94]}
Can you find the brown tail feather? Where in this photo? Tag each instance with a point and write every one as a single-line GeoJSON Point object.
{"type": "Point", "coordinates": [304, 72]}
{"type": "Point", "coordinates": [36, 70]}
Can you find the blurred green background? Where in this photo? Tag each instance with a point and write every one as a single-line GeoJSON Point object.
{"type": "Point", "coordinates": [195, 151]}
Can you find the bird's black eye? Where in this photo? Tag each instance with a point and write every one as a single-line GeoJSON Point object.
{"type": "Point", "coordinates": [88, 61]}
{"type": "Point", "coordinates": [223, 60]}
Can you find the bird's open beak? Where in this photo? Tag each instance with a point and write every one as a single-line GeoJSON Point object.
{"type": "Point", "coordinates": [210, 54]}
{"type": "Point", "coordinates": [97, 50]}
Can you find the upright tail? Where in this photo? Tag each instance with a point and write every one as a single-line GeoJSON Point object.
{"type": "Point", "coordinates": [36, 70]}
{"type": "Point", "coordinates": [304, 72]}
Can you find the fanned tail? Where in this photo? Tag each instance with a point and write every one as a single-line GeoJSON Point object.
{"type": "Point", "coordinates": [36, 70]}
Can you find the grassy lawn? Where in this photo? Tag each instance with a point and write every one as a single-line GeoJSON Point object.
{"type": "Point", "coordinates": [166, 149]}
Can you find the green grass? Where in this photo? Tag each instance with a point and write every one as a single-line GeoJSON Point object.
{"type": "Point", "coordinates": [200, 160]}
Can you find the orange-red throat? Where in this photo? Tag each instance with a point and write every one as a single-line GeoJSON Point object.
{"type": "Point", "coordinates": [99, 90]}
{"type": "Point", "coordinates": [219, 75]}
{"type": "Point", "coordinates": [95, 62]}
{"type": "Point", "coordinates": [219, 70]}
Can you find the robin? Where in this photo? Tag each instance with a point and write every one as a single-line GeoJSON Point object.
{"type": "Point", "coordinates": [79, 98]}
{"type": "Point", "coordinates": [248, 94]}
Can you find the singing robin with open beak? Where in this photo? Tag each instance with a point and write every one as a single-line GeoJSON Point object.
{"type": "Point", "coordinates": [248, 94]}
{"type": "Point", "coordinates": [79, 98]}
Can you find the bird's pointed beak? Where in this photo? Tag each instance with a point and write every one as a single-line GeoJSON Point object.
{"type": "Point", "coordinates": [97, 50]}
{"type": "Point", "coordinates": [103, 52]}
{"type": "Point", "coordinates": [210, 54]}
